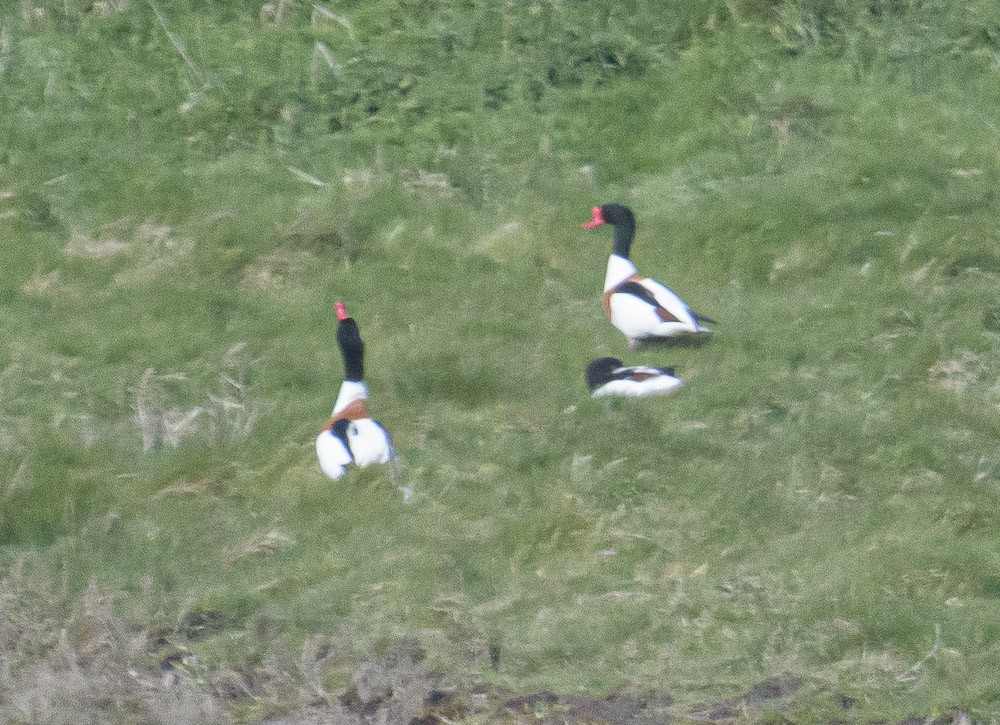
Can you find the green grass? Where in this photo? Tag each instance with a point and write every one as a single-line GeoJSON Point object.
{"type": "Point", "coordinates": [819, 500]}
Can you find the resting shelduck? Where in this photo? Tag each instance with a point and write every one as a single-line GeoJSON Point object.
{"type": "Point", "coordinates": [608, 376]}
{"type": "Point", "coordinates": [351, 435]}
{"type": "Point", "coordinates": [640, 307]}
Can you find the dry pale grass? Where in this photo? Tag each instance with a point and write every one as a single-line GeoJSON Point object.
{"type": "Point", "coordinates": [435, 181]}
{"type": "Point", "coordinates": [14, 434]}
{"type": "Point", "coordinates": [64, 663]}
{"type": "Point", "coordinates": [261, 542]}
{"type": "Point", "coordinates": [157, 250]}
{"type": "Point", "coordinates": [109, 8]}
{"type": "Point", "coordinates": [82, 246]}
{"type": "Point", "coordinates": [31, 12]}
{"type": "Point", "coordinates": [958, 374]}
{"type": "Point", "coordinates": [184, 487]}
{"type": "Point", "coordinates": [793, 261]}
{"type": "Point", "coordinates": [50, 387]}
{"type": "Point", "coordinates": [89, 665]}
{"type": "Point", "coordinates": [162, 420]}
{"type": "Point", "coordinates": [6, 47]}
{"type": "Point", "coordinates": [150, 250]}
{"type": "Point", "coordinates": [79, 661]}
{"type": "Point", "coordinates": [48, 285]}
{"type": "Point", "coordinates": [271, 271]}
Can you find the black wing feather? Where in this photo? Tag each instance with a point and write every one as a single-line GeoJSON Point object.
{"type": "Point", "coordinates": [637, 290]}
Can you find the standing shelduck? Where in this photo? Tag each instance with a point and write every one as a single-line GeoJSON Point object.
{"type": "Point", "coordinates": [640, 307]}
{"type": "Point", "coordinates": [607, 376]}
{"type": "Point", "coordinates": [351, 435]}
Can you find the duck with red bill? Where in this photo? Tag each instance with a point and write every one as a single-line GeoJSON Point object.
{"type": "Point", "coordinates": [351, 435]}
{"type": "Point", "coordinates": [597, 219]}
{"type": "Point", "coordinates": [640, 307]}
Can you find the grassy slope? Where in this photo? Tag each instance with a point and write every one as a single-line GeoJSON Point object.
{"type": "Point", "coordinates": [820, 499]}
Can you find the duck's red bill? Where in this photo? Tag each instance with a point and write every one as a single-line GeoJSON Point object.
{"type": "Point", "coordinates": [596, 219]}
{"type": "Point", "coordinates": [341, 310]}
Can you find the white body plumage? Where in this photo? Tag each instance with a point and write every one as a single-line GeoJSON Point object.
{"type": "Point", "coordinates": [607, 377]}
{"type": "Point", "coordinates": [658, 312]}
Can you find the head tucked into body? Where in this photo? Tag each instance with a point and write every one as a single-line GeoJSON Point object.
{"type": "Point", "coordinates": [601, 370]}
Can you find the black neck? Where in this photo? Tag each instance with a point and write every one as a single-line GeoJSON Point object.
{"type": "Point", "coordinates": [624, 232]}
{"type": "Point", "coordinates": [352, 350]}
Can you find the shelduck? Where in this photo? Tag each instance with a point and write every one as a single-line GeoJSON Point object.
{"type": "Point", "coordinates": [351, 435]}
{"type": "Point", "coordinates": [608, 376]}
{"type": "Point", "coordinates": [640, 307]}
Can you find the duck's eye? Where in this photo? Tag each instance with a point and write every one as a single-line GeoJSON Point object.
{"type": "Point", "coordinates": [352, 429]}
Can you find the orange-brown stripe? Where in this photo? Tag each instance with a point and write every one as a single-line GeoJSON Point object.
{"type": "Point", "coordinates": [355, 410]}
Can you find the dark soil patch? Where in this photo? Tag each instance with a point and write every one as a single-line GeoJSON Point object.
{"type": "Point", "coordinates": [201, 624]}
{"type": "Point", "coordinates": [773, 689]}
{"type": "Point", "coordinates": [422, 698]}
